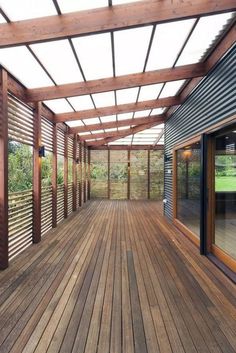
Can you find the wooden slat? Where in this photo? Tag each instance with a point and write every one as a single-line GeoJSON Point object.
{"type": "Point", "coordinates": [107, 18]}
{"type": "Point", "coordinates": [3, 171]}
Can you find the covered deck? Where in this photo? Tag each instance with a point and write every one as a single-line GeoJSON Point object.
{"type": "Point", "coordinates": [116, 277]}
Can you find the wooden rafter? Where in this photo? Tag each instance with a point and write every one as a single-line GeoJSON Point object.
{"type": "Point", "coordinates": [122, 134]}
{"type": "Point", "coordinates": [128, 147]}
{"type": "Point", "coordinates": [115, 83]}
{"type": "Point", "coordinates": [115, 124]}
{"type": "Point", "coordinates": [117, 109]}
{"type": "Point", "coordinates": [106, 19]}
{"type": "Point", "coordinates": [159, 136]}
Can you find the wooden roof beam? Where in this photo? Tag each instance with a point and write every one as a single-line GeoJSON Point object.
{"type": "Point", "coordinates": [115, 83]}
{"type": "Point", "coordinates": [128, 147]}
{"type": "Point", "coordinates": [114, 124]}
{"type": "Point", "coordinates": [122, 134]}
{"type": "Point", "coordinates": [106, 19]}
{"type": "Point", "coordinates": [117, 109]}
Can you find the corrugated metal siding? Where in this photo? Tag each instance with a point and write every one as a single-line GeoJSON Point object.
{"type": "Point", "coordinates": [211, 102]}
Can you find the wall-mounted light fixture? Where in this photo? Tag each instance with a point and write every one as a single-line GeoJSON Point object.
{"type": "Point", "coordinates": [167, 158]}
{"type": "Point", "coordinates": [41, 151]}
{"type": "Point", "coordinates": [77, 161]}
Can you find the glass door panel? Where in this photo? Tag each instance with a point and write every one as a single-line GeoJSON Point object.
{"type": "Point", "coordinates": [118, 174]}
{"type": "Point", "coordinates": [224, 236]}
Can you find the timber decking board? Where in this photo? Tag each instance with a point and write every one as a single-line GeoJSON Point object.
{"type": "Point", "coordinates": [116, 277]}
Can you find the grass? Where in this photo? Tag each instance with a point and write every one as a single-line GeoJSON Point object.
{"type": "Point", "coordinates": [225, 183]}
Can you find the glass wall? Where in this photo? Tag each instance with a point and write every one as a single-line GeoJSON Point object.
{"type": "Point", "coordinates": [188, 187]}
{"type": "Point", "coordinates": [118, 174]}
{"type": "Point", "coordinates": [225, 193]}
{"type": "Point", "coordinates": [99, 174]}
{"type": "Point", "coordinates": [138, 174]}
{"type": "Point", "coordinates": [156, 175]}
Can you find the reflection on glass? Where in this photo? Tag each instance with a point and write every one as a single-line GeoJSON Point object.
{"type": "Point", "coordinates": [138, 174]}
{"type": "Point", "coordinates": [99, 174]}
{"type": "Point", "coordinates": [225, 193]}
{"type": "Point", "coordinates": [188, 187]}
{"type": "Point", "coordinates": [118, 174]}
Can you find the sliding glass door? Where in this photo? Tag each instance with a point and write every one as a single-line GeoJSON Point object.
{"type": "Point", "coordinates": [224, 195]}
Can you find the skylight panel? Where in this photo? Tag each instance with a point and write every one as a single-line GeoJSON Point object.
{"type": "Point", "coordinates": [110, 130]}
{"type": "Point", "coordinates": [85, 133]}
{"type": "Point", "coordinates": [80, 5]}
{"type": "Point", "coordinates": [59, 106]}
{"type": "Point", "coordinates": [127, 95]}
{"type": "Point", "coordinates": [206, 31]}
{"type": "Point", "coordinates": [81, 102]}
{"type": "Point", "coordinates": [124, 116]}
{"type": "Point", "coordinates": [92, 121]}
{"type": "Point", "coordinates": [107, 119]}
{"type": "Point", "coordinates": [123, 128]}
{"type": "Point", "coordinates": [131, 47]}
{"type": "Point", "coordinates": [142, 113]}
{"type": "Point", "coordinates": [75, 123]}
{"type": "Point", "coordinates": [2, 19]}
{"type": "Point", "coordinates": [105, 99]}
{"type": "Point", "coordinates": [157, 111]}
{"type": "Point", "coordinates": [97, 132]}
{"type": "Point", "coordinates": [26, 9]}
{"type": "Point", "coordinates": [118, 2]}
{"type": "Point", "coordinates": [149, 92]}
{"type": "Point", "coordinates": [95, 55]}
{"type": "Point", "coordinates": [21, 64]}
{"type": "Point", "coordinates": [171, 88]}
{"type": "Point", "coordinates": [167, 42]}
{"type": "Point", "coordinates": [59, 60]}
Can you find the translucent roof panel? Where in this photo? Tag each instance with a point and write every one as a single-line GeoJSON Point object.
{"type": "Point", "coordinates": [118, 2]}
{"type": "Point", "coordinates": [2, 19]}
{"type": "Point", "coordinates": [25, 9]}
{"type": "Point", "coordinates": [80, 5]}
{"type": "Point", "coordinates": [171, 88]}
{"type": "Point", "coordinates": [107, 119]}
{"type": "Point", "coordinates": [142, 113]}
{"type": "Point", "coordinates": [124, 116]}
{"type": "Point", "coordinates": [91, 121]}
{"type": "Point", "coordinates": [97, 131]}
{"type": "Point", "coordinates": [81, 102]}
{"type": "Point", "coordinates": [110, 130]}
{"type": "Point", "coordinates": [131, 49]}
{"type": "Point", "coordinates": [85, 133]}
{"type": "Point", "coordinates": [59, 106]}
{"type": "Point", "coordinates": [59, 60]}
{"type": "Point", "coordinates": [157, 111]}
{"type": "Point", "coordinates": [105, 99]}
{"type": "Point", "coordinates": [149, 92]}
{"type": "Point", "coordinates": [21, 64]}
{"type": "Point", "coordinates": [204, 34]}
{"type": "Point", "coordinates": [128, 95]}
{"type": "Point", "coordinates": [95, 55]}
{"type": "Point", "coordinates": [123, 128]}
{"type": "Point", "coordinates": [75, 123]}
{"type": "Point", "coordinates": [167, 42]}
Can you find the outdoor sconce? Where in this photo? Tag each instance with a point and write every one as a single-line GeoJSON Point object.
{"type": "Point", "coordinates": [42, 151]}
{"type": "Point", "coordinates": [77, 161]}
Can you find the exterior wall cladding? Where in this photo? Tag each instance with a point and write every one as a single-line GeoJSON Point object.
{"type": "Point", "coordinates": [213, 100]}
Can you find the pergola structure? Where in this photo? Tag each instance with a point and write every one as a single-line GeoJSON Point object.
{"type": "Point", "coordinates": [83, 78]}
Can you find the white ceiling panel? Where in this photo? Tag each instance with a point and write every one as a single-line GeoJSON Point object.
{"type": "Point", "coordinates": [105, 99]}
{"type": "Point", "coordinates": [95, 55]}
{"type": "Point", "coordinates": [59, 60]}
{"type": "Point", "coordinates": [171, 88]}
{"type": "Point", "coordinates": [142, 113]}
{"type": "Point", "coordinates": [75, 123]}
{"type": "Point", "coordinates": [167, 42]}
{"type": "Point", "coordinates": [149, 92]}
{"type": "Point", "coordinates": [81, 102]}
{"type": "Point", "coordinates": [128, 95]}
{"type": "Point", "coordinates": [131, 47]}
{"type": "Point", "coordinates": [59, 106]}
{"type": "Point", "coordinates": [21, 64]}
{"type": "Point", "coordinates": [80, 5]}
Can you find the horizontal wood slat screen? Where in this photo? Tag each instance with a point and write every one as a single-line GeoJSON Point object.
{"type": "Point", "coordinates": [60, 203]}
{"type": "Point", "coordinates": [20, 121]}
{"type": "Point", "coordinates": [20, 216]}
{"type": "Point", "coordinates": [47, 134]}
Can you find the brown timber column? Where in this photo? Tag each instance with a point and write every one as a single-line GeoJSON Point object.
{"type": "Point", "coordinates": [37, 174]}
{"type": "Point", "coordinates": [89, 179]}
{"type": "Point", "coordinates": [148, 181]}
{"type": "Point", "coordinates": [108, 175]}
{"type": "Point", "coordinates": [128, 185]}
{"type": "Point", "coordinates": [54, 178]}
{"type": "Point", "coordinates": [74, 173]}
{"type": "Point", "coordinates": [80, 173]}
{"type": "Point", "coordinates": [85, 173]}
{"type": "Point", "coordinates": [66, 176]}
{"type": "Point", "coordinates": [3, 171]}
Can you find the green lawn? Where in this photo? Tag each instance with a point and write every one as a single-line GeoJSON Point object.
{"type": "Point", "coordinates": [225, 183]}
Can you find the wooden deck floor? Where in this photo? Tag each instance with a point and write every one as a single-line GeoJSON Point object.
{"type": "Point", "coordinates": [116, 277]}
